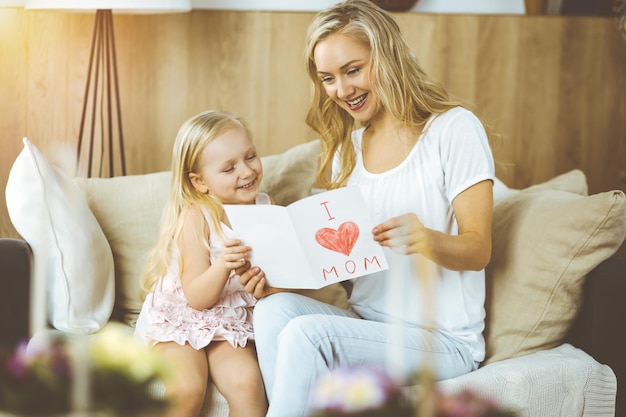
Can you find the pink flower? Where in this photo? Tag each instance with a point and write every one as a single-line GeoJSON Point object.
{"type": "Point", "coordinates": [364, 391]}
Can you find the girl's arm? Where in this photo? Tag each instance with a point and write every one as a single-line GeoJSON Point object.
{"type": "Point", "coordinates": [469, 250]}
{"type": "Point", "coordinates": [202, 281]}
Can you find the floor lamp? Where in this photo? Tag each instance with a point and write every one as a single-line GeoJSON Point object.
{"type": "Point", "coordinates": [101, 116]}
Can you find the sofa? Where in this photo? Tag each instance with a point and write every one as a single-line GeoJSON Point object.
{"type": "Point", "coordinates": [554, 283]}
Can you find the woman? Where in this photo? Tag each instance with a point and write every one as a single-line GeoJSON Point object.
{"type": "Point", "coordinates": [424, 166]}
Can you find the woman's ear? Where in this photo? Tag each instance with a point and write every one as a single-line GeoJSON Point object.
{"type": "Point", "coordinates": [198, 183]}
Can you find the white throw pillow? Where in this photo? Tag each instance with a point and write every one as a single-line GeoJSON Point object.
{"type": "Point", "coordinates": [50, 212]}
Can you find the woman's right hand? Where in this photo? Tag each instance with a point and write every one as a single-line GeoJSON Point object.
{"type": "Point", "coordinates": [253, 280]}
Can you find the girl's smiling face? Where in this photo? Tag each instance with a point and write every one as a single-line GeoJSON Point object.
{"type": "Point", "coordinates": [231, 170]}
{"type": "Point", "coordinates": [343, 67]}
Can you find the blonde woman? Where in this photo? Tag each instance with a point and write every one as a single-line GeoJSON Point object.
{"type": "Point", "coordinates": [425, 168]}
{"type": "Point", "coordinates": [196, 312]}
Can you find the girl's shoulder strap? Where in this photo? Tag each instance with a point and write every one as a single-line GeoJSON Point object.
{"type": "Point", "coordinates": [263, 198]}
{"type": "Point", "coordinates": [207, 218]}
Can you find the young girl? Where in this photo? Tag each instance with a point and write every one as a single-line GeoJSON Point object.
{"type": "Point", "coordinates": [425, 169]}
{"type": "Point", "coordinates": [196, 311]}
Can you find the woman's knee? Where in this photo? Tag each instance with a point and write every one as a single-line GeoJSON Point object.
{"type": "Point", "coordinates": [279, 309]}
{"type": "Point", "coordinates": [271, 314]}
{"type": "Point", "coordinates": [281, 304]}
{"type": "Point", "coordinates": [311, 330]}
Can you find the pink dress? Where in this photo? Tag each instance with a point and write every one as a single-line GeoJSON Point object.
{"type": "Point", "coordinates": [167, 317]}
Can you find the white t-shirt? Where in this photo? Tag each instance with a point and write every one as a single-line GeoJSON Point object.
{"type": "Point", "coordinates": [450, 156]}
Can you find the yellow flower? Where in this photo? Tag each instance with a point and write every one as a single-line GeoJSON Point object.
{"type": "Point", "coordinates": [364, 393]}
{"type": "Point", "coordinates": [115, 348]}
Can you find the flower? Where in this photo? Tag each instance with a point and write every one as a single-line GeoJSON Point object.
{"type": "Point", "coordinates": [35, 380]}
{"type": "Point", "coordinates": [354, 390]}
{"type": "Point", "coordinates": [368, 392]}
{"type": "Point", "coordinates": [114, 371]}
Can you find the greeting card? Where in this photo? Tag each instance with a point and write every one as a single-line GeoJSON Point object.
{"type": "Point", "coordinates": [314, 242]}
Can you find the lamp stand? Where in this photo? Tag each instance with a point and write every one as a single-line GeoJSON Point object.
{"type": "Point", "coordinates": [103, 108]}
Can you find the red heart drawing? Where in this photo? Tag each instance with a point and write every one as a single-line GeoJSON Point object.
{"type": "Point", "coordinates": [341, 240]}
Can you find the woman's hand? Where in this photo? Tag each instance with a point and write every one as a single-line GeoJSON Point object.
{"type": "Point", "coordinates": [469, 249]}
{"type": "Point", "coordinates": [253, 281]}
{"type": "Point", "coordinates": [404, 234]}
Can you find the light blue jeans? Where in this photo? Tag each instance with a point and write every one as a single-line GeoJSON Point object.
{"type": "Point", "coordinates": [299, 339]}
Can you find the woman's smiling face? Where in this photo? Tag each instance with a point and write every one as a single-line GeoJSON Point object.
{"type": "Point", "coordinates": [344, 69]}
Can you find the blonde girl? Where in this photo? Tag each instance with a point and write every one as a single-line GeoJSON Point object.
{"type": "Point", "coordinates": [195, 311]}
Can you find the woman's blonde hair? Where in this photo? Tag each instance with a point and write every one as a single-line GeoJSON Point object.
{"type": "Point", "coordinates": [405, 90]}
{"type": "Point", "coordinates": [192, 137]}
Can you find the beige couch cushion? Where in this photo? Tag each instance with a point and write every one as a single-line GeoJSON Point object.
{"type": "Point", "coordinates": [289, 176]}
{"type": "Point", "coordinates": [546, 239]}
{"type": "Point", "coordinates": [128, 210]}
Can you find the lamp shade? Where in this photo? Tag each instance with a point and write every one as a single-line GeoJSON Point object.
{"type": "Point", "coordinates": [121, 6]}
{"type": "Point", "coordinates": [12, 3]}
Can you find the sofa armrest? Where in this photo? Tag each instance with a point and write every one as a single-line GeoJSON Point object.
{"type": "Point", "coordinates": [597, 327]}
{"type": "Point", "coordinates": [15, 273]}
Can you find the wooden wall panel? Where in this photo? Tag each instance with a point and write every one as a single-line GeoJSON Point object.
{"type": "Point", "coordinates": [552, 86]}
{"type": "Point", "coordinates": [13, 100]}
{"type": "Point", "coordinates": [248, 63]}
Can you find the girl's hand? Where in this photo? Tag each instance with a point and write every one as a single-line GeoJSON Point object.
{"type": "Point", "coordinates": [234, 255]}
{"type": "Point", "coordinates": [404, 234]}
{"type": "Point", "coordinates": [253, 281]}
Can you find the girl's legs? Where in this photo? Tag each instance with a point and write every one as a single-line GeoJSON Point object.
{"type": "Point", "coordinates": [188, 388]}
{"type": "Point", "coordinates": [319, 337]}
{"type": "Point", "coordinates": [235, 373]}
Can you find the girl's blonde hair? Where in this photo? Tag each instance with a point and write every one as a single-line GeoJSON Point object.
{"type": "Point", "coordinates": [405, 90]}
{"type": "Point", "coordinates": [192, 137]}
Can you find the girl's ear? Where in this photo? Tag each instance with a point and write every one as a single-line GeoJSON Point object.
{"type": "Point", "coordinates": [198, 183]}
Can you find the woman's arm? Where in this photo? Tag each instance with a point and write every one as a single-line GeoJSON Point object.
{"type": "Point", "coordinates": [469, 250]}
